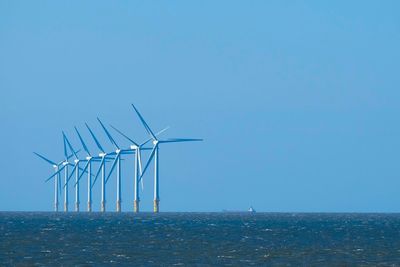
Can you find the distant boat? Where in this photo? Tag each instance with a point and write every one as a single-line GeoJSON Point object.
{"type": "Point", "coordinates": [251, 209]}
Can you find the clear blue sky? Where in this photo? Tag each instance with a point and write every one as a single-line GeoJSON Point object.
{"type": "Point", "coordinates": [298, 101]}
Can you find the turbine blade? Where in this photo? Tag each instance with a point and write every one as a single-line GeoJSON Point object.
{"type": "Point", "coordinates": [59, 185]}
{"type": "Point", "coordinates": [83, 172]}
{"type": "Point", "coordinates": [70, 176]}
{"type": "Point", "coordinates": [82, 142]}
{"type": "Point", "coordinates": [70, 146]}
{"type": "Point", "coordinates": [112, 167]}
{"type": "Point", "coordinates": [146, 126]}
{"type": "Point", "coordinates": [98, 171]}
{"type": "Point", "coordinates": [177, 140]}
{"type": "Point", "coordinates": [163, 130]}
{"type": "Point", "coordinates": [45, 159]}
{"type": "Point", "coordinates": [139, 158]}
{"type": "Point", "coordinates": [157, 134]}
{"type": "Point", "coordinates": [65, 147]}
{"type": "Point", "coordinates": [145, 142]}
{"type": "Point", "coordinates": [76, 152]}
{"type": "Point", "coordinates": [140, 161]}
{"type": "Point", "coordinates": [108, 134]}
{"type": "Point", "coordinates": [127, 151]}
{"type": "Point", "coordinates": [146, 148]}
{"type": "Point", "coordinates": [54, 174]}
{"type": "Point", "coordinates": [95, 139]}
{"type": "Point", "coordinates": [149, 160]}
{"type": "Point", "coordinates": [124, 135]}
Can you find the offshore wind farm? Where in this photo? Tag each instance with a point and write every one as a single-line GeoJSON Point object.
{"type": "Point", "coordinates": [199, 133]}
{"type": "Point", "coordinates": [101, 159]}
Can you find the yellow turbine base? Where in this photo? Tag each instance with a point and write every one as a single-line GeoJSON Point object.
{"type": "Point", "coordinates": [89, 207]}
{"type": "Point", "coordinates": [156, 206]}
{"type": "Point", "coordinates": [136, 206]}
{"type": "Point", "coordinates": [118, 206]}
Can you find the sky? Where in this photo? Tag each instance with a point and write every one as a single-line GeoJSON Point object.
{"type": "Point", "coordinates": [297, 101]}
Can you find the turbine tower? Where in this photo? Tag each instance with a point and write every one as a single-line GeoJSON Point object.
{"type": "Point", "coordinates": [155, 154]}
{"type": "Point", "coordinates": [65, 164]}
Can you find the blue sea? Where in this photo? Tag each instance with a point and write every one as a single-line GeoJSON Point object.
{"type": "Point", "coordinates": [199, 239]}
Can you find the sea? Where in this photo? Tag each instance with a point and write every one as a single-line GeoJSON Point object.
{"type": "Point", "coordinates": [199, 239]}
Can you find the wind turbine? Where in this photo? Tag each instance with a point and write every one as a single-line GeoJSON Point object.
{"type": "Point", "coordinates": [78, 175]}
{"type": "Point", "coordinates": [155, 154]}
{"type": "Point", "coordinates": [102, 168]}
{"type": "Point", "coordinates": [117, 163]}
{"type": "Point", "coordinates": [65, 164]}
{"type": "Point", "coordinates": [88, 168]}
{"type": "Point", "coordinates": [138, 164]}
{"type": "Point", "coordinates": [57, 182]}
{"type": "Point", "coordinates": [76, 170]}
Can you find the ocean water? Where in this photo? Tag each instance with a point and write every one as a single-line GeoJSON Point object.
{"type": "Point", "coordinates": [199, 239]}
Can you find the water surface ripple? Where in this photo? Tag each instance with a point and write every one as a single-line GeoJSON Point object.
{"type": "Point", "coordinates": [199, 239]}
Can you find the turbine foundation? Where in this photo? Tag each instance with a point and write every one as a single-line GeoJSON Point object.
{"type": "Point", "coordinates": [89, 206]}
{"type": "Point", "coordinates": [76, 206]}
{"type": "Point", "coordinates": [118, 206]}
{"type": "Point", "coordinates": [56, 207]}
{"type": "Point", "coordinates": [136, 206]}
{"type": "Point", "coordinates": [65, 207]}
{"type": "Point", "coordinates": [156, 206]}
{"type": "Point", "coordinates": [103, 206]}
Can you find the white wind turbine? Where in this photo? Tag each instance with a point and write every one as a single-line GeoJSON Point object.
{"type": "Point", "coordinates": [65, 167]}
{"type": "Point", "coordinates": [155, 154]}
{"type": "Point", "coordinates": [75, 170]}
{"type": "Point", "coordinates": [88, 168]}
{"type": "Point", "coordinates": [138, 164]}
{"type": "Point", "coordinates": [57, 182]}
{"type": "Point", "coordinates": [117, 163]}
{"type": "Point", "coordinates": [102, 168]}
{"type": "Point", "coordinates": [58, 167]}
